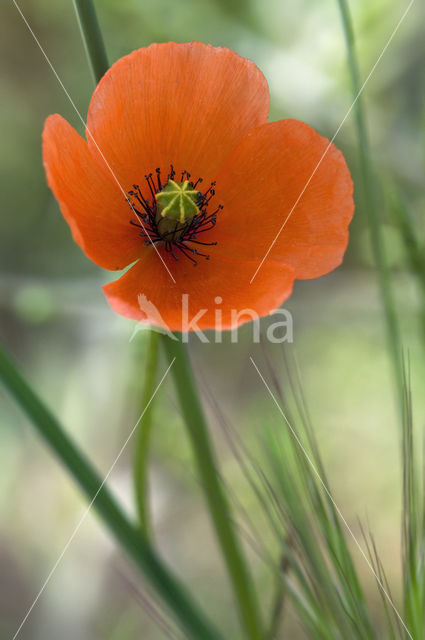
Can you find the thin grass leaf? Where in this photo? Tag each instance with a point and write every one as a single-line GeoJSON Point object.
{"type": "Point", "coordinates": [413, 530]}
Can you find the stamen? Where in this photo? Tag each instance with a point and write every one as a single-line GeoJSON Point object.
{"type": "Point", "coordinates": [186, 205]}
{"type": "Point", "coordinates": [183, 250]}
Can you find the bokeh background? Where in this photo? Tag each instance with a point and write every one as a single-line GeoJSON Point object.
{"type": "Point", "coordinates": [78, 354]}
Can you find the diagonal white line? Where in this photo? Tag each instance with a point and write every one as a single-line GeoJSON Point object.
{"type": "Point", "coordinates": [86, 512]}
{"type": "Point", "coordinates": [334, 136]}
{"type": "Point", "coordinates": [338, 510]}
{"type": "Point", "coordinates": [139, 219]}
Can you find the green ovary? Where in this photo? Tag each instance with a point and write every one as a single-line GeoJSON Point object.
{"type": "Point", "coordinates": [177, 201]}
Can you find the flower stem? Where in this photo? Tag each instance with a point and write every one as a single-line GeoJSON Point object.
{"type": "Point", "coordinates": [127, 535]}
{"type": "Point", "coordinates": [141, 460]}
{"type": "Point", "coordinates": [92, 38]}
{"type": "Point", "coordinates": [370, 188]}
{"type": "Point", "coordinates": [216, 499]}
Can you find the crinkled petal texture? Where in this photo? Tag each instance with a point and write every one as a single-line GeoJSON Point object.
{"type": "Point", "coordinates": [90, 200]}
{"type": "Point", "coordinates": [219, 292]}
{"type": "Point", "coordinates": [188, 104]}
{"type": "Point", "coordinates": [287, 193]}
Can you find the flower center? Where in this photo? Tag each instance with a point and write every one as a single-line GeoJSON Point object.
{"type": "Point", "coordinates": [175, 213]}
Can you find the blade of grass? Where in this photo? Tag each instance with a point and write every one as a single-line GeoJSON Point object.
{"type": "Point", "coordinates": [173, 593]}
{"type": "Point", "coordinates": [413, 530]}
{"type": "Point", "coordinates": [394, 627]}
{"type": "Point", "coordinates": [412, 495]}
{"type": "Point", "coordinates": [370, 179]}
{"type": "Point", "coordinates": [413, 248]}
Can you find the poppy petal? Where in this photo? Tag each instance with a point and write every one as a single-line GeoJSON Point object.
{"type": "Point", "coordinates": [285, 171]}
{"type": "Point", "coordinates": [188, 104]}
{"type": "Point", "coordinates": [90, 200]}
{"type": "Point", "coordinates": [145, 292]}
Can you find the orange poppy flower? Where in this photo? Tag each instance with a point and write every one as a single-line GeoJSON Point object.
{"type": "Point", "coordinates": [182, 175]}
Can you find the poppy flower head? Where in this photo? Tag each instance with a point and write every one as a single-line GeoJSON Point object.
{"type": "Point", "coordinates": [190, 174]}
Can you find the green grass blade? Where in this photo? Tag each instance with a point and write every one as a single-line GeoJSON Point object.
{"type": "Point", "coordinates": [370, 182]}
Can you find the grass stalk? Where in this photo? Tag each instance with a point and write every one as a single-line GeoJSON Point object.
{"type": "Point", "coordinates": [414, 252]}
{"type": "Point", "coordinates": [369, 179]}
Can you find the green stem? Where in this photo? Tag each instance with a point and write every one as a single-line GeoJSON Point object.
{"type": "Point", "coordinates": [370, 188]}
{"type": "Point", "coordinates": [141, 460]}
{"type": "Point", "coordinates": [92, 38]}
{"type": "Point", "coordinates": [216, 499]}
{"type": "Point", "coordinates": [414, 251]}
{"type": "Point", "coordinates": [127, 535]}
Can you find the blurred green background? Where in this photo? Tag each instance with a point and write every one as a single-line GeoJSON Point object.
{"type": "Point", "coordinates": [77, 353]}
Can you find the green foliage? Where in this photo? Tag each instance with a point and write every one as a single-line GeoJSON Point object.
{"type": "Point", "coordinates": [317, 565]}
